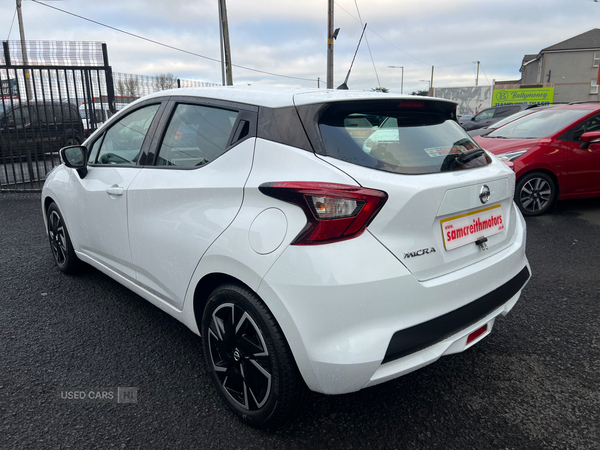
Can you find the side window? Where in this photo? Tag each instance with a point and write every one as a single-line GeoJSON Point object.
{"type": "Point", "coordinates": [69, 114]}
{"type": "Point", "coordinates": [123, 140]}
{"type": "Point", "coordinates": [505, 112]}
{"type": "Point", "coordinates": [55, 114]}
{"type": "Point", "coordinates": [21, 116]}
{"type": "Point", "coordinates": [100, 115]}
{"type": "Point", "coordinates": [44, 113]}
{"type": "Point", "coordinates": [484, 115]}
{"type": "Point", "coordinates": [196, 135]}
{"type": "Point", "coordinates": [592, 124]}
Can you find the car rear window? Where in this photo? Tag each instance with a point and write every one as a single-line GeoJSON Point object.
{"type": "Point", "coordinates": [407, 137]}
{"type": "Point", "coordinates": [538, 125]}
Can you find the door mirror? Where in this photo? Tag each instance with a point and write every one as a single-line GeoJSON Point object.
{"type": "Point", "coordinates": [75, 157]}
{"type": "Point", "coordinates": [591, 137]}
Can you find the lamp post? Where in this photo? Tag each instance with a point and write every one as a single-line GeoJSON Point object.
{"type": "Point", "coordinates": [24, 51]}
{"type": "Point", "coordinates": [401, 79]}
{"type": "Point", "coordinates": [428, 85]}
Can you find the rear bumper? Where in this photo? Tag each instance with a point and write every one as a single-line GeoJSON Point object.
{"type": "Point", "coordinates": [354, 316]}
{"type": "Point", "coordinates": [418, 337]}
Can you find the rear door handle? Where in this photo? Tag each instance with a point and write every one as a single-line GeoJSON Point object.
{"type": "Point", "coordinates": [114, 190]}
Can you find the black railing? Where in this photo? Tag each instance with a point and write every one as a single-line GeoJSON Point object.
{"type": "Point", "coordinates": [46, 107]}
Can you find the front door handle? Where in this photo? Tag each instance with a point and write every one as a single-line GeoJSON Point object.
{"type": "Point", "coordinates": [114, 190]}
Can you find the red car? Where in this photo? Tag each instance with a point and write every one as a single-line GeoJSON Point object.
{"type": "Point", "coordinates": [555, 153]}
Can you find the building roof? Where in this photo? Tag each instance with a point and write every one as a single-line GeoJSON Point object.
{"type": "Point", "coordinates": [528, 58]}
{"type": "Point", "coordinates": [588, 40]}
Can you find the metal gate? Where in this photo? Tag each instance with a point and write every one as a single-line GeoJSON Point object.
{"type": "Point", "coordinates": [44, 107]}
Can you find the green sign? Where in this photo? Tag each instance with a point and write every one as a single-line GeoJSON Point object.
{"type": "Point", "coordinates": [533, 96]}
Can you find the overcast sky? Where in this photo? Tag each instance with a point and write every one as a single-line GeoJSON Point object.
{"type": "Point", "coordinates": [289, 37]}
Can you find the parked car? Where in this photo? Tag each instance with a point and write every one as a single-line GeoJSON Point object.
{"type": "Point", "coordinates": [515, 116]}
{"type": "Point", "coordinates": [464, 118]}
{"type": "Point", "coordinates": [303, 258]}
{"type": "Point", "coordinates": [492, 115]}
{"type": "Point", "coordinates": [35, 128]}
{"type": "Point", "coordinates": [555, 154]}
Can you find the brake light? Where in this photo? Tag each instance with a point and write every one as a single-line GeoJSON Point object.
{"type": "Point", "coordinates": [335, 212]}
{"type": "Point", "coordinates": [412, 104]}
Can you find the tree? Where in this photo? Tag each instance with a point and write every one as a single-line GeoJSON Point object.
{"type": "Point", "coordinates": [380, 89]}
{"type": "Point", "coordinates": [164, 81]}
{"type": "Point", "coordinates": [129, 87]}
{"type": "Point", "coordinates": [421, 93]}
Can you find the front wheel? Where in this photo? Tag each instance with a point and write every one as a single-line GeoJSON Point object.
{"type": "Point", "coordinates": [60, 242]}
{"type": "Point", "coordinates": [249, 359]}
{"type": "Point", "coordinates": [535, 194]}
{"type": "Point", "coordinates": [72, 140]}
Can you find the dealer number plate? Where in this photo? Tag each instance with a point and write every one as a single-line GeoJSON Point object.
{"type": "Point", "coordinates": [467, 228]}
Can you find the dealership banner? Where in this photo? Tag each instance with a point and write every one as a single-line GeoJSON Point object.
{"type": "Point", "coordinates": [8, 88]}
{"type": "Point", "coordinates": [532, 96]}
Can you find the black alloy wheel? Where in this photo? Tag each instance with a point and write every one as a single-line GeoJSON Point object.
{"type": "Point", "coordinates": [535, 194]}
{"type": "Point", "coordinates": [249, 359]}
{"type": "Point", "coordinates": [60, 242]}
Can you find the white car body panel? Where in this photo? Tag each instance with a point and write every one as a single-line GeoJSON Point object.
{"type": "Point", "coordinates": [175, 215]}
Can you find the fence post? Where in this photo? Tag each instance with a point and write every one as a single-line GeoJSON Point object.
{"type": "Point", "coordinates": [6, 52]}
{"type": "Point", "coordinates": [110, 87]}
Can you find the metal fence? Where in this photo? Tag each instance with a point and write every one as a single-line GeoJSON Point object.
{"type": "Point", "coordinates": [43, 97]}
{"type": "Point", "coordinates": [55, 94]}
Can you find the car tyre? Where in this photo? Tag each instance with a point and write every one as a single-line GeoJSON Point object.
{"type": "Point", "coordinates": [60, 242]}
{"type": "Point", "coordinates": [535, 194]}
{"type": "Point", "coordinates": [72, 140]}
{"type": "Point", "coordinates": [249, 359]}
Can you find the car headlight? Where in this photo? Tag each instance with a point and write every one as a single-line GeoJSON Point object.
{"type": "Point", "coordinates": [511, 156]}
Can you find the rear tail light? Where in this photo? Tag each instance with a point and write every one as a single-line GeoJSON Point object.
{"type": "Point", "coordinates": [335, 212]}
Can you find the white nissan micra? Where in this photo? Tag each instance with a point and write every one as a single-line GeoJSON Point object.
{"type": "Point", "coordinates": [320, 239]}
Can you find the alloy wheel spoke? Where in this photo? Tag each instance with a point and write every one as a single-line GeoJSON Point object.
{"type": "Point", "coordinates": [258, 381]}
{"type": "Point", "coordinates": [526, 202]}
{"type": "Point", "coordinates": [240, 357]}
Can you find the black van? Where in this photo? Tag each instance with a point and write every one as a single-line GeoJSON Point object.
{"type": "Point", "coordinates": [34, 129]}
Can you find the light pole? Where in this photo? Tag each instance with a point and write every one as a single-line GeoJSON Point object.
{"type": "Point", "coordinates": [330, 39]}
{"type": "Point", "coordinates": [24, 51]}
{"type": "Point", "coordinates": [401, 79]}
{"type": "Point", "coordinates": [428, 85]}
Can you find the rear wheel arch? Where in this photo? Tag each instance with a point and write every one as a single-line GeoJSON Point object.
{"type": "Point", "coordinates": [205, 287]}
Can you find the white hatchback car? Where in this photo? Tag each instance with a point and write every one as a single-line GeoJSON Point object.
{"type": "Point", "coordinates": [303, 253]}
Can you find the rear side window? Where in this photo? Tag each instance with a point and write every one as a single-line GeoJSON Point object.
{"type": "Point", "coordinates": [196, 135]}
{"type": "Point", "coordinates": [484, 115]}
{"type": "Point", "coordinates": [415, 140]}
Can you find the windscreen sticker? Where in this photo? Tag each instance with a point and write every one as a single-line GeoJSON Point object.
{"type": "Point", "coordinates": [443, 151]}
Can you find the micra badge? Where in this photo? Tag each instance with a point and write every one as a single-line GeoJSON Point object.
{"type": "Point", "coordinates": [423, 251]}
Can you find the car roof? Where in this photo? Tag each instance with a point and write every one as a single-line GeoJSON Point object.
{"type": "Point", "coordinates": [590, 106]}
{"type": "Point", "coordinates": [277, 97]}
